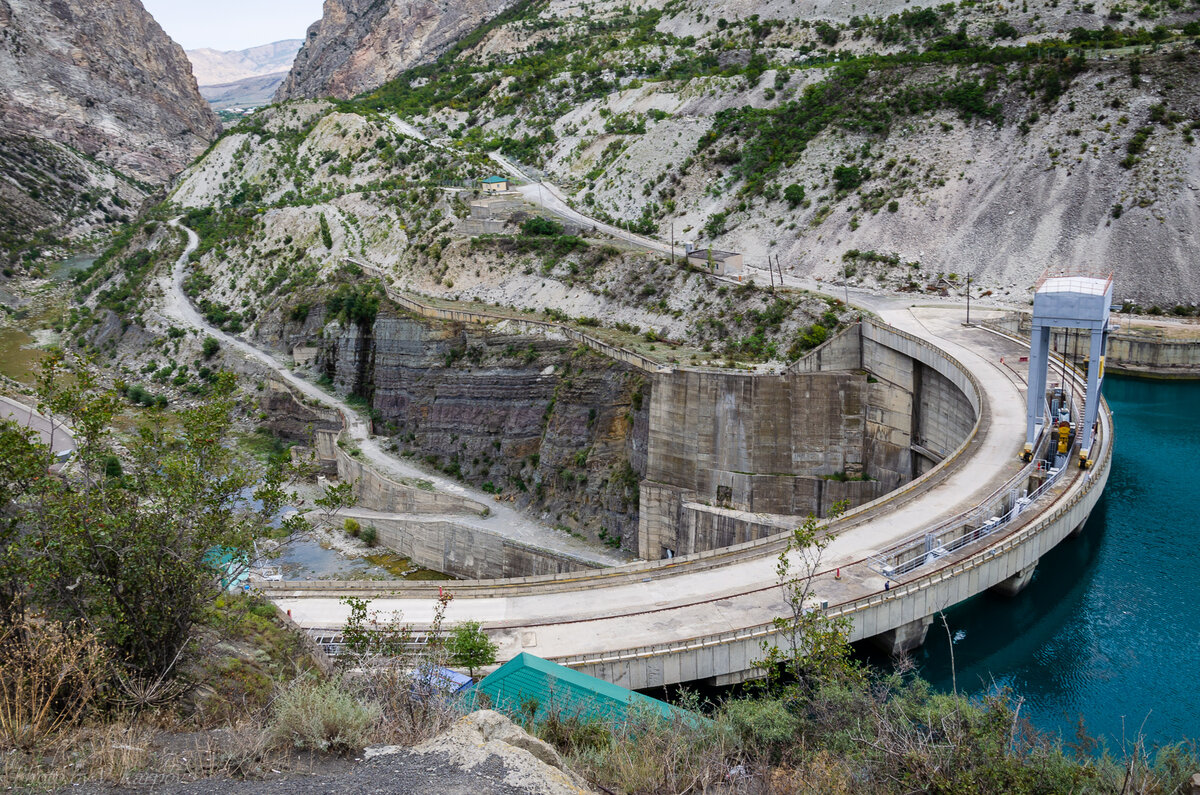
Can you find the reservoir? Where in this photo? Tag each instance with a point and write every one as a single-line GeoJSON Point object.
{"type": "Point", "coordinates": [1109, 629]}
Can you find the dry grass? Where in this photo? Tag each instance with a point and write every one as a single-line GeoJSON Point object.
{"type": "Point", "coordinates": [50, 675]}
{"type": "Point", "coordinates": [322, 716]}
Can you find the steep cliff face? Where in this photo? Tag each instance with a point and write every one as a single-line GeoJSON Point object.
{"type": "Point", "coordinates": [360, 44]}
{"type": "Point", "coordinates": [557, 430]}
{"type": "Point", "coordinates": [97, 103]}
{"type": "Point", "coordinates": [101, 76]}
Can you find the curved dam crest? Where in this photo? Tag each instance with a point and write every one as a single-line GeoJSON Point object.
{"type": "Point", "coordinates": [702, 616]}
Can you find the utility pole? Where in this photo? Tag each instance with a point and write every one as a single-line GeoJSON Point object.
{"type": "Point", "coordinates": [968, 298]}
{"type": "Point", "coordinates": [771, 270]}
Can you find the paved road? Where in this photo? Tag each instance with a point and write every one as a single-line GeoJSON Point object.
{"type": "Point", "coordinates": [54, 434]}
{"type": "Point", "coordinates": [743, 593]}
{"type": "Point", "coordinates": [504, 519]}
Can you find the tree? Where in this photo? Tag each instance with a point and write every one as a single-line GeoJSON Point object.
{"type": "Point", "coordinates": [811, 646]}
{"type": "Point", "coordinates": [326, 236]}
{"type": "Point", "coordinates": [538, 226]}
{"type": "Point", "coordinates": [469, 647]}
{"type": "Point", "coordinates": [335, 497]}
{"type": "Point", "coordinates": [135, 558]}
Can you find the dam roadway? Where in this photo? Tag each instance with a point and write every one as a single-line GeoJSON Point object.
{"type": "Point", "coordinates": [704, 616]}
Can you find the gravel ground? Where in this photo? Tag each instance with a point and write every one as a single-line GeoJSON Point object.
{"type": "Point", "coordinates": [396, 773]}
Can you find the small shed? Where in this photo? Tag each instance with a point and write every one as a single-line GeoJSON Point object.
{"type": "Point", "coordinates": [722, 263]}
{"type": "Point", "coordinates": [528, 683]}
{"type": "Point", "coordinates": [495, 185]}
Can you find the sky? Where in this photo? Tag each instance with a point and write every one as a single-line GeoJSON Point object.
{"type": "Point", "coordinates": [233, 24]}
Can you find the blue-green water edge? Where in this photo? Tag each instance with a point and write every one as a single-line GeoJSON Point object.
{"type": "Point", "coordinates": [1109, 629]}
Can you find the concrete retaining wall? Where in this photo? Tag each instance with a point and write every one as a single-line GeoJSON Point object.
{"type": "Point", "coordinates": [469, 552]}
{"type": "Point", "coordinates": [1136, 351]}
{"type": "Point", "coordinates": [378, 493]}
{"type": "Point", "coordinates": [734, 457]}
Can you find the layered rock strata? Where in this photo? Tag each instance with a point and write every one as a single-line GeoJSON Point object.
{"type": "Point", "coordinates": [359, 45]}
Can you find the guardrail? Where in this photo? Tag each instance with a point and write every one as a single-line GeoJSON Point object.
{"type": "Point", "coordinates": [992, 514]}
{"type": "Point", "coordinates": [861, 604]}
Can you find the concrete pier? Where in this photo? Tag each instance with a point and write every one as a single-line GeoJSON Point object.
{"type": "Point", "coordinates": [1016, 583]}
{"type": "Point", "coordinates": [904, 638]}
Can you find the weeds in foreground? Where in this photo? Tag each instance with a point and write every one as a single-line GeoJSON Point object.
{"type": "Point", "coordinates": [50, 675]}
{"type": "Point", "coordinates": [322, 716]}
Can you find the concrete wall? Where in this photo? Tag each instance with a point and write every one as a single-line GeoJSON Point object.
{"type": "Point", "coordinates": [761, 444]}
{"type": "Point", "coordinates": [1137, 350]}
{"type": "Point", "coordinates": [734, 457]}
{"type": "Point", "coordinates": [469, 552]}
{"type": "Point", "coordinates": [378, 493]}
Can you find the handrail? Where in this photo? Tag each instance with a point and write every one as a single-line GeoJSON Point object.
{"type": "Point", "coordinates": [1017, 538]}
{"type": "Point", "coordinates": [931, 548]}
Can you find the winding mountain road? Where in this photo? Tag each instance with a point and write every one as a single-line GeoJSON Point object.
{"type": "Point", "coordinates": [54, 434]}
{"type": "Point", "coordinates": [504, 519]}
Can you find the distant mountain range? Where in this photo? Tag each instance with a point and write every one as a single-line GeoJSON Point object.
{"type": "Point", "coordinates": [219, 68]}
{"type": "Point", "coordinates": [245, 93]}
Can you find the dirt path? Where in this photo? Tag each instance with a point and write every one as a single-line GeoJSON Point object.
{"type": "Point", "coordinates": [504, 519]}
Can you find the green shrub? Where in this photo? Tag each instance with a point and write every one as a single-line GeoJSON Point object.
{"type": "Point", "coordinates": [764, 724]}
{"type": "Point", "coordinates": [793, 194]}
{"type": "Point", "coordinates": [538, 226]}
{"type": "Point", "coordinates": [326, 237]}
{"type": "Point", "coordinates": [470, 648]}
{"type": "Point", "coordinates": [369, 535]}
{"type": "Point", "coordinates": [827, 33]}
{"type": "Point", "coordinates": [209, 347]}
{"type": "Point", "coordinates": [352, 527]}
{"type": "Point", "coordinates": [1004, 29]}
{"type": "Point", "coordinates": [320, 716]}
{"type": "Point", "coordinates": [849, 177]}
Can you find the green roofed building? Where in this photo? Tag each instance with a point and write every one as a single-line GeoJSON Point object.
{"type": "Point", "coordinates": [521, 682]}
{"type": "Point", "coordinates": [495, 185]}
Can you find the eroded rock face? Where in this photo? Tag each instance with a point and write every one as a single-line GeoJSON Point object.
{"type": "Point", "coordinates": [102, 77]}
{"type": "Point", "coordinates": [558, 430]}
{"type": "Point", "coordinates": [359, 45]}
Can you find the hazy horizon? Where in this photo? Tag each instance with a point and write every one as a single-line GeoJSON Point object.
{"type": "Point", "coordinates": [234, 24]}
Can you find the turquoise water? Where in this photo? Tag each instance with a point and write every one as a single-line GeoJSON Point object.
{"type": "Point", "coordinates": [1109, 629]}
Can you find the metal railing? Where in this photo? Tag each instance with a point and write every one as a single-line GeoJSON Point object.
{"type": "Point", "coordinates": [993, 513]}
{"type": "Point", "coordinates": [854, 606]}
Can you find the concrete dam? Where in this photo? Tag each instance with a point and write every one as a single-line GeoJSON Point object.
{"type": "Point", "coordinates": [917, 422]}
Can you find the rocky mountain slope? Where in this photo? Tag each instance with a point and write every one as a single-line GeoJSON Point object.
{"type": "Point", "coordinates": [218, 67]}
{"type": "Point", "coordinates": [932, 140]}
{"type": "Point", "coordinates": [97, 107]}
{"type": "Point", "coordinates": [359, 44]}
{"type": "Point", "coordinates": [247, 92]}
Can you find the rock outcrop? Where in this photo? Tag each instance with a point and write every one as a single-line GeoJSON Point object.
{"type": "Point", "coordinates": [560, 431]}
{"type": "Point", "coordinates": [359, 45]}
{"type": "Point", "coordinates": [102, 77]}
{"type": "Point", "coordinates": [498, 754]}
{"type": "Point", "coordinates": [97, 103]}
